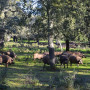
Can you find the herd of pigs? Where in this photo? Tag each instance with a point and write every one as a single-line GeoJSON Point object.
{"type": "Point", "coordinates": [8, 57]}
{"type": "Point", "coordinates": [63, 58]}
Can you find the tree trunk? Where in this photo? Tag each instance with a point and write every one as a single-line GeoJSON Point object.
{"type": "Point", "coordinates": [67, 45]}
{"type": "Point", "coordinates": [59, 44]}
{"type": "Point", "coordinates": [50, 38]}
{"type": "Point", "coordinates": [61, 47]}
{"type": "Point", "coordinates": [51, 52]}
{"type": "Point", "coordinates": [2, 32]}
{"type": "Point", "coordinates": [38, 41]}
{"type": "Point", "coordinates": [1, 44]}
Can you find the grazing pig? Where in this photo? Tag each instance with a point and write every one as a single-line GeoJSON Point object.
{"type": "Point", "coordinates": [79, 54]}
{"type": "Point", "coordinates": [46, 60]}
{"type": "Point", "coordinates": [38, 56]}
{"type": "Point", "coordinates": [55, 53]}
{"type": "Point", "coordinates": [75, 53]}
{"type": "Point", "coordinates": [64, 60]}
{"type": "Point", "coordinates": [68, 53]}
{"type": "Point", "coordinates": [46, 53]}
{"type": "Point", "coordinates": [6, 59]}
{"type": "Point", "coordinates": [9, 53]}
{"type": "Point", "coordinates": [75, 59]}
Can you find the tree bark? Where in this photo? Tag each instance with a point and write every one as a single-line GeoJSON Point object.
{"type": "Point", "coordinates": [50, 38]}
{"type": "Point", "coordinates": [2, 33]}
{"type": "Point", "coordinates": [51, 52]}
{"type": "Point", "coordinates": [61, 47]}
{"type": "Point", "coordinates": [38, 41]}
{"type": "Point", "coordinates": [67, 45]}
{"type": "Point", "coordinates": [59, 44]}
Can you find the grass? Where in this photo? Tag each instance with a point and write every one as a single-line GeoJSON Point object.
{"type": "Point", "coordinates": [24, 75]}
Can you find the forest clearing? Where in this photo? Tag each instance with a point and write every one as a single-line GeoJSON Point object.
{"type": "Point", "coordinates": [28, 74]}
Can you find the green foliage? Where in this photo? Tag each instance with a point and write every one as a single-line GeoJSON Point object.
{"type": "Point", "coordinates": [80, 37]}
{"type": "Point", "coordinates": [76, 13]}
{"type": "Point", "coordinates": [61, 12]}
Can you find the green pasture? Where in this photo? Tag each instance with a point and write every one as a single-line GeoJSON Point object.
{"type": "Point", "coordinates": [27, 74]}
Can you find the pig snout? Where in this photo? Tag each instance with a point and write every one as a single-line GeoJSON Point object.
{"type": "Point", "coordinates": [80, 62]}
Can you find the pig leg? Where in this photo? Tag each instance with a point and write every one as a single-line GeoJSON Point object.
{"type": "Point", "coordinates": [70, 64]}
{"type": "Point", "coordinates": [60, 65]}
{"type": "Point", "coordinates": [64, 65]}
{"type": "Point", "coordinates": [6, 65]}
{"type": "Point", "coordinates": [44, 66]}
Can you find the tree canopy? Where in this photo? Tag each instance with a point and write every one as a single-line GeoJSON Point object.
{"type": "Point", "coordinates": [65, 18]}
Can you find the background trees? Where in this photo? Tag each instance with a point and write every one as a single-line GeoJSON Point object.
{"type": "Point", "coordinates": [71, 20]}
{"type": "Point", "coordinates": [47, 19]}
{"type": "Point", "coordinates": [67, 17]}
